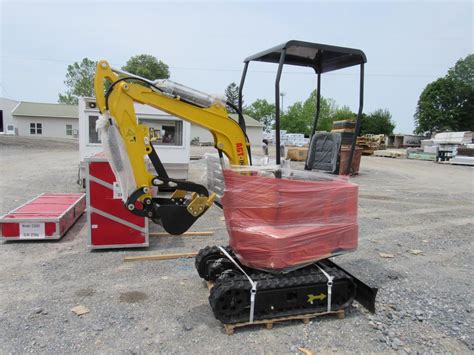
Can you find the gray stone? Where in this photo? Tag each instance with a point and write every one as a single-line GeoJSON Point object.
{"type": "Point", "coordinates": [187, 327]}
{"type": "Point", "coordinates": [397, 342]}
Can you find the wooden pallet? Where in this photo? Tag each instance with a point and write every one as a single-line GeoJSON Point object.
{"type": "Point", "coordinates": [390, 154]}
{"type": "Point", "coordinates": [230, 328]}
{"type": "Point", "coordinates": [368, 152]}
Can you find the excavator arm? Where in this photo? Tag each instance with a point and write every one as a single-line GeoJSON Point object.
{"type": "Point", "coordinates": [126, 143]}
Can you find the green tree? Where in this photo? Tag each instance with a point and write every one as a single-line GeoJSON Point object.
{"type": "Point", "coordinates": [343, 113]}
{"type": "Point", "coordinates": [448, 102]}
{"type": "Point", "coordinates": [463, 71]}
{"type": "Point", "coordinates": [262, 111]}
{"type": "Point", "coordinates": [299, 117]}
{"type": "Point", "coordinates": [147, 66]}
{"type": "Point", "coordinates": [377, 122]}
{"type": "Point", "coordinates": [232, 96]}
{"type": "Point", "coordinates": [79, 80]}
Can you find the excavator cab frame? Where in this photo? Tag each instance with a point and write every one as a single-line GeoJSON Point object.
{"type": "Point", "coordinates": [322, 58]}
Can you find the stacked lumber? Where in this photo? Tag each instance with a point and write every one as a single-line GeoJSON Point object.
{"type": "Point", "coordinates": [297, 154]}
{"type": "Point", "coordinates": [400, 153]}
{"type": "Point", "coordinates": [346, 128]}
{"type": "Point", "coordinates": [343, 126]}
{"type": "Point", "coordinates": [370, 143]}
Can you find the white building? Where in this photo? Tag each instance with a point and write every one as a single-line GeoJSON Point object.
{"type": "Point", "coordinates": [38, 119]}
{"type": "Point", "coordinates": [45, 120]}
{"type": "Point", "coordinates": [254, 131]}
{"type": "Point", "coordinates": [6, 119]}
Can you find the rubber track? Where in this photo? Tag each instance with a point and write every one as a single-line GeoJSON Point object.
{"type": "Point", "coordinates": [206, 253]}
{"type": "Point", "coordinates": [266, 281]}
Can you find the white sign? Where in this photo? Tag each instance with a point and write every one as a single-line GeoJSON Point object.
{"type": "Point", "coordinates": [32, 230]}
{"type": "Point", "coordinates": [117, 191]}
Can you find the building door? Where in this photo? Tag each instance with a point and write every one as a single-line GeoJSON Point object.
{"type": "Point", "coordinates": [1, 121]}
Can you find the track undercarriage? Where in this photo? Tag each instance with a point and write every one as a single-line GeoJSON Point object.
{"type": "Point", "coordinates": [298, 292]}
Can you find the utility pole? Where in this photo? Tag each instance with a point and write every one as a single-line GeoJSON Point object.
{"type": "Point", "coordinates": [282, 94]}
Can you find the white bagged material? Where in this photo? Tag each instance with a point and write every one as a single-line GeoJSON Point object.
{"type": "Point", "coordinates": [116, 154]}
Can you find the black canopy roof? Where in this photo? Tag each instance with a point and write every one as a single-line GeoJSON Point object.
{"type": "Point", "coordinates": [322, 57]}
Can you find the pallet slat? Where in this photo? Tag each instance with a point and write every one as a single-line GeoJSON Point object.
{"type": "Point", "coordinates": [160, 257]}
{"type": "Point", "coordinates": [230, 328]}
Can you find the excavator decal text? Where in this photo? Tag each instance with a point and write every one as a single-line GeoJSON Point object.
{"type": "Point", "coordinates": [240, 149]}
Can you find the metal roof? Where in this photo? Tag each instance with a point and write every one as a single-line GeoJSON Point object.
{"type": "Point", "coordinates": [249, 121]}
{"type": "Point", "coordinates": [37, 109]}
{"type": "Point", "coordinates": [322, 57]}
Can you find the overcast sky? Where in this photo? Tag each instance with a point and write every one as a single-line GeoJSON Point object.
{"type": "Point", "coordinates": [408, 45]}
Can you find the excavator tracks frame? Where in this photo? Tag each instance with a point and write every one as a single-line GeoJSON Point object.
{"type": "Point", "coordinates": [297, 292]}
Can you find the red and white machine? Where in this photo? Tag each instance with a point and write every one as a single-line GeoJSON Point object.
{"type": "Point", "coordinates": [47, 216]}
{"type": "Point", "coordinates": [109, 223]}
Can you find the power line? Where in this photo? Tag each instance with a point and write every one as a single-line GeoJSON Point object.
{"type": "Point", "coordinates": [4, 90]}
{"type": "Point", "coordinates": [393, 75]}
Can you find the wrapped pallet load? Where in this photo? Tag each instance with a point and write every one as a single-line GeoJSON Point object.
{"type": "Point", "coordinates": [285, 223]}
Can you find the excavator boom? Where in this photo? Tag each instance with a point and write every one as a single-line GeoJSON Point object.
{"type": "Point", "coordinates": [127, 142]}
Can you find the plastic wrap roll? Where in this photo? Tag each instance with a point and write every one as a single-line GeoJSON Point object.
{"type": "Point", "coordinates": [116, 154]}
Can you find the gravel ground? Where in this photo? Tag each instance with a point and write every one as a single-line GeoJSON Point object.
{"type": "Point", "coordinates": [420, 213]}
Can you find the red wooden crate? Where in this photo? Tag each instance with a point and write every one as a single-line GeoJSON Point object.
{"type": "Point", "coordinates": [109, 223]}
{"type": "Point", "coordinates": [47, 216]}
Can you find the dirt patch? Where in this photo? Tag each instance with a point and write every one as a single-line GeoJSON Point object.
{"type": "Point", "coordinates": [133, 297]}
{"type": "Point", "coordinates": [85, 292]}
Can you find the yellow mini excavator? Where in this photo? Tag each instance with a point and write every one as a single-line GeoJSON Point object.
{"type": "Point", "coordinates": [127, 142]}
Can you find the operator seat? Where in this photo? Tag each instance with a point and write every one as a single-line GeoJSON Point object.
{"type": "Point", "coordinates": [323, 151]}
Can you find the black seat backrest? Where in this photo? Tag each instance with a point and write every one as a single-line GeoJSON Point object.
{"type": "Point", "coordinates": [323, 152]}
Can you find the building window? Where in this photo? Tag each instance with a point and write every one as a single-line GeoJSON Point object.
{"type": "Point", "coordinates": [165, 132]}
{"type": "Point", "coordinates": [36, 128]}
{"type": "Point", "coordinates": [69, 130]}
{"type": "Point", "coordinates": [93, 134]}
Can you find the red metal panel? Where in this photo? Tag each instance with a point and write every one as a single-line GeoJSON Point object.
{"type": "Point", "coordinates": [50, 229]}
{"type": "Point", "coordinates": [108, 232]}
{"type": "Point", "coordinates": [116, 231]}
{"type": "Point", "coordinates": [101, 170]}
{"type": "Point", "coordinates": [10, 229]}
{"type": "Point", "coordinates": [101, 198]}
